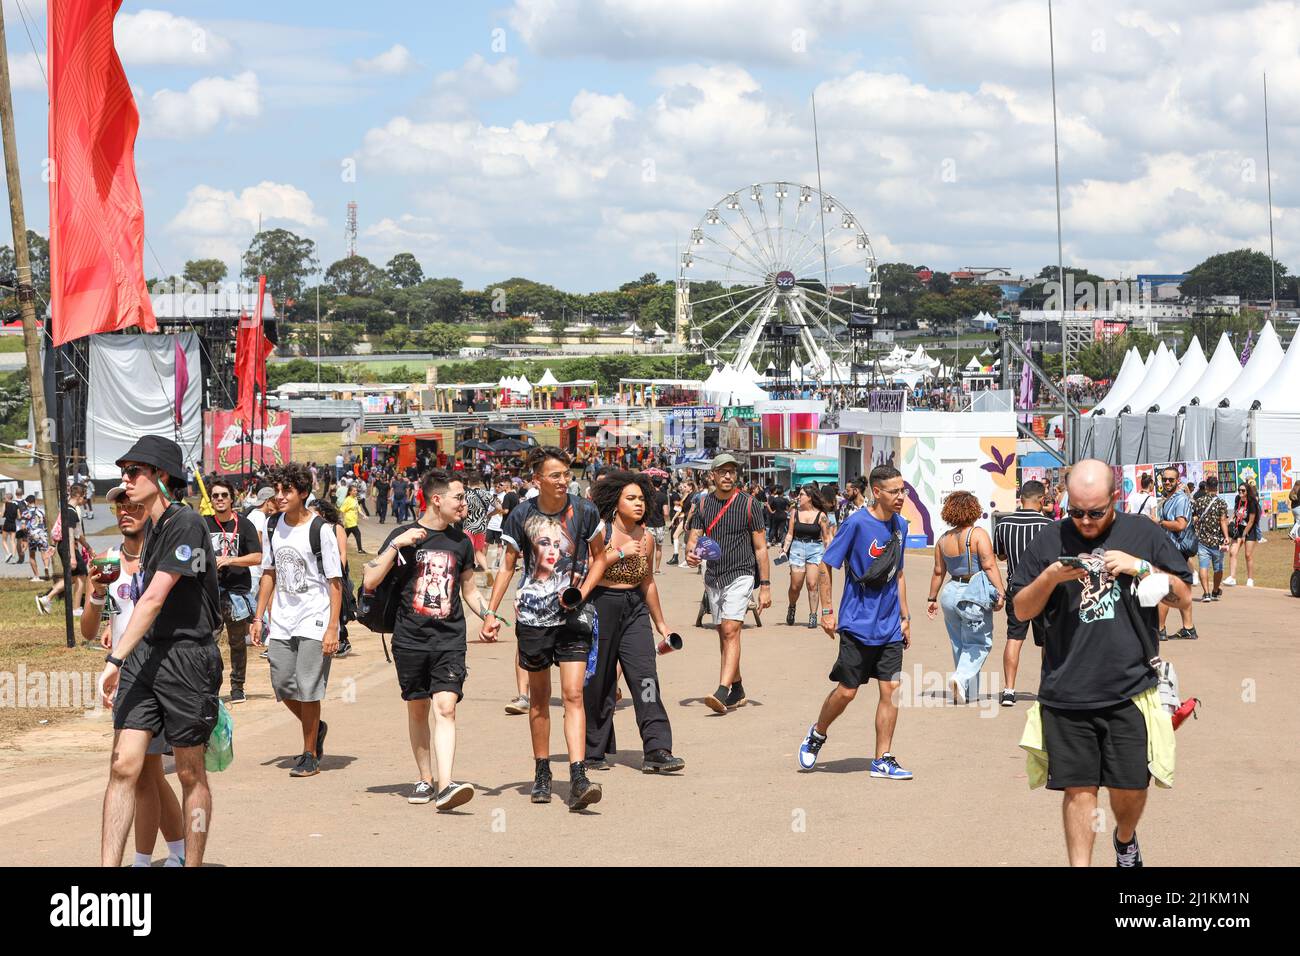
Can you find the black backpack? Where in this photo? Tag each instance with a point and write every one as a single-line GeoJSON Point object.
{"type": "Point", "coordinates": [348, 608]}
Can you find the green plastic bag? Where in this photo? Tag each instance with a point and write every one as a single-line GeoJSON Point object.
{"type": "Point", "coordinates": [219, 752]}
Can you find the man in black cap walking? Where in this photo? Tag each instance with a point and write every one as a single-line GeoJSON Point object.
{"type": "Point", "coordinates": [170, 686]}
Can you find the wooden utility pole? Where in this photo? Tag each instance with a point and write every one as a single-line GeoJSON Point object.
{"type": "Point", "coordinates": [43, 423]}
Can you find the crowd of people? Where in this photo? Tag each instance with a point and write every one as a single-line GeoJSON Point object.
{"type": "Point", "coordinates": [269, 565]}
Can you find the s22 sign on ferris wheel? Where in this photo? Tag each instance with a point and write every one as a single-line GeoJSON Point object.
{"type": "Point", "coordinates": [772, 276]}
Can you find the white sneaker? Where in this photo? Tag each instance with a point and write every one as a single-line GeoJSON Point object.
{"type": "Point", "coordinates": [35, 580]}
{"type": "Point", "coordinates": [1250, 582]}
{"type": "Point", "coordinates": [1229, 582]}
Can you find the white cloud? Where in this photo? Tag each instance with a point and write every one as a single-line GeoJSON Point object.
{"type": "Point", "coordinates": [156, 37]}
{"type": "Point", "coordinates": [201, 108]}
{"type": "Point", "coordinates": [775, 31]}
{"type": "Point", "coordinates": [395, 60]}
{"type": "Point", "coordinates": [219, 223]}
{"type": "Point", "coordinates": [455, 91]}
{"type": "Point", "coordinates": [26, 72]}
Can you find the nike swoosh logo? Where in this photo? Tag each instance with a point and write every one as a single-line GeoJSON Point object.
{"type": "Point", "coordinates": [876, 550]}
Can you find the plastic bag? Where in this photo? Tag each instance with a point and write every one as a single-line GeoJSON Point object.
{"type": "Point", "coordinates": [219, 751]}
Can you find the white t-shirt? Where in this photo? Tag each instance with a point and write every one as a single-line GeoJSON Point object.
{"type": "Point", "coordinates": [300, 606]}
{"type": "Point", "coordinates": [494, 522]}
{"type": "Point", "coordinates": [532, 493]}
{"type": "Point", "coordinates": [1143, 507]}
{"type": "Point", "coordinates": [122, 591]}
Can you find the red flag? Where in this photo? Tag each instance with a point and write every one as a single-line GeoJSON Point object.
{"type": "Point", "coordinates": [245, 357]}
{"type": "Point", "coordinates": [182, 379]}
{"type": "Point", "coordinates": [96, 216]}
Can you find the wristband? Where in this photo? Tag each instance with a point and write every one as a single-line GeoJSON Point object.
{"type": "Point", "coordinates": [115, 661]}
{"type": "Point", "coordinates": [764, 584]}
{"type": "Point", "coordinates": [827, 611]}
{"type": "Point", "coordinates": [96, 600]}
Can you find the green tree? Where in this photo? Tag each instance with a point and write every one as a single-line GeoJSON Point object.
{"type": "Point", "coordinates": [900, 289]}
{"type": "Point", "coordinates": [340, 338]}
{"type": "Point", "coordinates": [590, 335]}
{"type": "Point", "coordinates": [284, 258]}
{"type": "Point", "coordinates": [1242, 272]}
{"type": "Point", "coordinates": [510, 331]}
{"type": "Point", "coordinates": [404, 270]}
{"type": "Point", "coordinates": [38, 251]}
{"type": "Point", "coordinates": [355, 275]}
{"type": "Point", "coordinates": [397, 338]}
{"type": "Point", "coordinates": [556, 327]}
{"type": "Point", "coordinates": [1037, 293]}
{"type": "Point", "coordinates": [363, 311]}
{"type": "Point", "coordinates": [299, 370]}
{"type": "Point", "coordinates": [441, 339]}
{"type": "Point", "coordinates": [205, 272]}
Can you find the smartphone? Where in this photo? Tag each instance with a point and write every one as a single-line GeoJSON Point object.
{"type": "Point", "coordinates": [1073, 561]}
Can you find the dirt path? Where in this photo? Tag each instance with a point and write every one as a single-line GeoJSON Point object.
{"type": "Point", "coordinates": [740, 800]}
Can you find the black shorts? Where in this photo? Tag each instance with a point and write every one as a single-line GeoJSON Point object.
{"type": "Point", "coordinates": [1096, 748]}
{"type": "Point", "coordinates": [170, 687]}
{"type": "Point", "coordinates": [859, 662]}
{"type": "Point", "coordinates": [423, 670]}
{"type": "Point", "coordinates": [493, 537]}
{"type": "Point", "coordinates": [541, 647]}
{"type": "Point", "coordinates": [10, 527]}
{"type": "Point", "coordinates": [1017, 629]}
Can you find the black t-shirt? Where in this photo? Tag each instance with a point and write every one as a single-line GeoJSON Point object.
{"type": "Point", "coordinates": [179, 543]}
{"type": "Point", "coordinates": [508, 504]}
{"type": "Point", "coordinates": [381, 489]}
{"type": "Point", "coordinates": [399, 488]}
{"type": "Point", "coordinates": [734, 534]}
{"type": "Point", "coordinates": [780, 504]}
{"type": "Point", "coordinates": [655, 515]}
{"type": "Point", "coordinates": [235, 537]}
{"type": "Point", "coordinates": [430, 612]}
{"type": "Point", "coordinates": [1093, 656]}
{"type": "Point", "coordinates": [70, 522]}
{"type": "Point", "coordinates": [11, 512]}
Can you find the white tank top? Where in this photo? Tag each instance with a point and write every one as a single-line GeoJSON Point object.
{"type": "Point", "coordinates": [124, 596]}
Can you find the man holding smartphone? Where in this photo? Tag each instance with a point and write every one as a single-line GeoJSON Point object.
{"type": "Point", "coordinates": [1081, 576]}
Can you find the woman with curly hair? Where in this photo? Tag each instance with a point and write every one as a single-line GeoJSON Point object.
{"type": "Point", "coordinates": [962, 553]}
{"type": "Point", "coordinates": [621, 584]}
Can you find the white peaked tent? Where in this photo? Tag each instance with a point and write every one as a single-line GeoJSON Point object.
{"type": "Point", "coordinates": [1223, 369]}
{"type": "Point", "coordinates": [1161, 372]}
{"type": "Point", "coordinates": [521, 385]}
{"type": "Point", "coordinates": [1126, 383]}
{"type": "Point", "coordinates": [632, 329]}
{"type": "Point", "coordinates": [731, 387]}
{"type": "Point", "coordinates": [754, 374]}
{"type": "Point", "coordinates": [973, 364]}
{"type": "Point", "coordinates": [547, 379]}
{"type": "Point", "coordinates": [1190, 370]}
{"type": "Point", "coordinates": [660, 331]}
{"type": "Point", "coordinates": [1265, 357]}
{"type": "Point", "coordinates": [1281, 393]}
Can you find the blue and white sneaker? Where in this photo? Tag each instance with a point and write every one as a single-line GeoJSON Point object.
{"type": "Point", "coordinates": [808, 750]}
{"type": "Point", "coordinates": [888, 767]}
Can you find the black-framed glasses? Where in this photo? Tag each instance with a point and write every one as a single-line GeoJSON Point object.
{"type": "Point", "coordinates": [1096, 514]}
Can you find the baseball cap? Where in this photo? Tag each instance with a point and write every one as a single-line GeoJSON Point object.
{"type": "Point", "coordinates": [117, 491]}
{"type": "Point", "coordinates": [265, 494]}
{"type": "Point", "coordinates": [721, 460]}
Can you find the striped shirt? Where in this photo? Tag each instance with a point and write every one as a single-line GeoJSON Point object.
{"type": "Point", "coordinates": [733, 534]}
{"type": "Point", "coordinates": [1014, 534]}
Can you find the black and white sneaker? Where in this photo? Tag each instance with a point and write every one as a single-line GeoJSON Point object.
{"type": "Point", "coordinates": [1008, 698]}
{"type": "Point", "coordinates": [582, 792]}
{"type": "Point", "coordinates": [789, 616]}
{"type": "Point", "coordinates": [237, 695]}
{"type": "Point", "coordinates": [453, 796]}
{"type": "Point", "coordinates": [661, 761]}
{"type": "Point", "coordinates": [345, 648]}
{"type": "Point", "coordinates": [1127, 855]}
{"type": "Point", "coordinates": [421, 793]}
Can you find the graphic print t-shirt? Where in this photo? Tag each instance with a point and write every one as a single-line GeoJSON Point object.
{"type": "Point", "coordinates": [430, 613]}
{"type": "Point", "coordinates": [554, 547]}
{"type": "Point", "coordinates": [234, 537]}
{"type": "Point", "coordinates": [300, 606]}
{"type": "Point", "coordinates": [1093, 656]}
{"type": "Point", "coordinates": [478, 503]}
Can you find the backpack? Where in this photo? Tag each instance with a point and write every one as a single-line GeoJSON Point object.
{"type": "Point", "coordinates": [348, 607]}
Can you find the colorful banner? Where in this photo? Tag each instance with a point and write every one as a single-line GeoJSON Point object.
{"type": "Point", "coordinates": [224, 440]}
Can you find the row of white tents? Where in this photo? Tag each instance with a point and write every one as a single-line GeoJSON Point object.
{"type": "Point", "coordinates": [1164, 408]}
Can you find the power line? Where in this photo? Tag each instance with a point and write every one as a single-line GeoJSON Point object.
{"type": "Point", "coordinates": [23, 13]}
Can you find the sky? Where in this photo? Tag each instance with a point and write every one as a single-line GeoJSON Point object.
{"type": "Point", "coordinates": [577, 142]}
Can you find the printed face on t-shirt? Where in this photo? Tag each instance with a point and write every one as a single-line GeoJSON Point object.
{"type": "Point", "coordinates": [549, 544]}
{"type": "Point", "coordinates": [435, 583]}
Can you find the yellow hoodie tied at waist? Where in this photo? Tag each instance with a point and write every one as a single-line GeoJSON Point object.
{"type": "Point", "coordinates": [1160, 741]}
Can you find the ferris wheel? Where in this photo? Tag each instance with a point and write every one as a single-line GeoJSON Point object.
{"type": "Point", "coordinates": [776, 275]}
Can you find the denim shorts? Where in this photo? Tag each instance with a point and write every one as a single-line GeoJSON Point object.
{"type": "Point", "coordinates": [806, 552]}
{"type": "Point", "coordinates": [1210, 557]}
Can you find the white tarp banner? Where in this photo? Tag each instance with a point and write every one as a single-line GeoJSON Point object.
{"type": "Point", "coordinates": [1275, 433]}
{"type": "Point", "coordinates": [133, 393]}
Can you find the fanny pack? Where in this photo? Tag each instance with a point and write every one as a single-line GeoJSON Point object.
{"type": "Point", "coordinates": [241, 605]}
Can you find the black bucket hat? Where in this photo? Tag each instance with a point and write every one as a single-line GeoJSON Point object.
{"type": "Point", "coordinates": [158, 452]}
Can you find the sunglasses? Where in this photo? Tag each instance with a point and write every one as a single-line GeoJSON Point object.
{"type": "Point", "coordinates": [219, 494]}
{"type": "Point", "coordinates": [132, 472]}
{"type": "Point", "coordinates": [1095, 514]}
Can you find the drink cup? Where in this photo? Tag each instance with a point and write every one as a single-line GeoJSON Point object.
{"type": "Point", "coordinates": [109, 567]}
{"type": "Point", "coordinates": [673, 642]}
